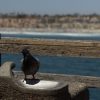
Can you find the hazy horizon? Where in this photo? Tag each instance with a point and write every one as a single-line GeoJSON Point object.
{"type": "Point", "coordinates": [50, 7]}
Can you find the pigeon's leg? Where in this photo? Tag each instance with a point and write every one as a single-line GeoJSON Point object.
{"type": "Point", "coordinates": [33, 77]}
{"type": "Point", "coordinates": [24, 78]}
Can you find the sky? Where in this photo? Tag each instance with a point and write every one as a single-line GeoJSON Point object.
{"type": "Point", "coordinates": [50, 6]}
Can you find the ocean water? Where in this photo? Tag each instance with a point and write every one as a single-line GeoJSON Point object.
{"type": "Point", "coordinates": [61, 64]}
{"type": "Point", "coordinates": [61, 36]}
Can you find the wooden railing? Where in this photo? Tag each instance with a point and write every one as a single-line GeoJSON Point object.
{"type": "Point", "coordinates": [52, 47]}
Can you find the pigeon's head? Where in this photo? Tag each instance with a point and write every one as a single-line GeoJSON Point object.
{"type": "Point", "coordinates": [25, 52]}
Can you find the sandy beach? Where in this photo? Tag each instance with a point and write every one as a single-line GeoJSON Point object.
{"type": "Point", "coordinates": [46, 30]}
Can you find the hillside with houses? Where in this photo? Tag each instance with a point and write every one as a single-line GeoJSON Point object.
{"type": "Point", "coordinates": [64, 23]}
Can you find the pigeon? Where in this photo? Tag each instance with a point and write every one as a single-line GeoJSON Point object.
{"type": "Point", "coordinates": [30, 64]}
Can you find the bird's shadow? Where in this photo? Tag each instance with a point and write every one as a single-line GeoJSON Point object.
{"type": "Point", "coordinates": [32, 81]}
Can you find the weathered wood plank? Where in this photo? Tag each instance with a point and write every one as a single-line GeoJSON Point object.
{"type": "Point", "coordinates": [51, 47]}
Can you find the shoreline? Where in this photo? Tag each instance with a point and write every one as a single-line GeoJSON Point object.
{"type": "Point", "coordinates": [46, 30]}
{"type": "Point", "coordinates": [33, 32]}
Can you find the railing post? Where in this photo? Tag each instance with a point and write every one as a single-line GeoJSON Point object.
{"type": "Point", "coordinates": [0, 52]}
{"type": "Point", "coordinates": [0, 59]}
